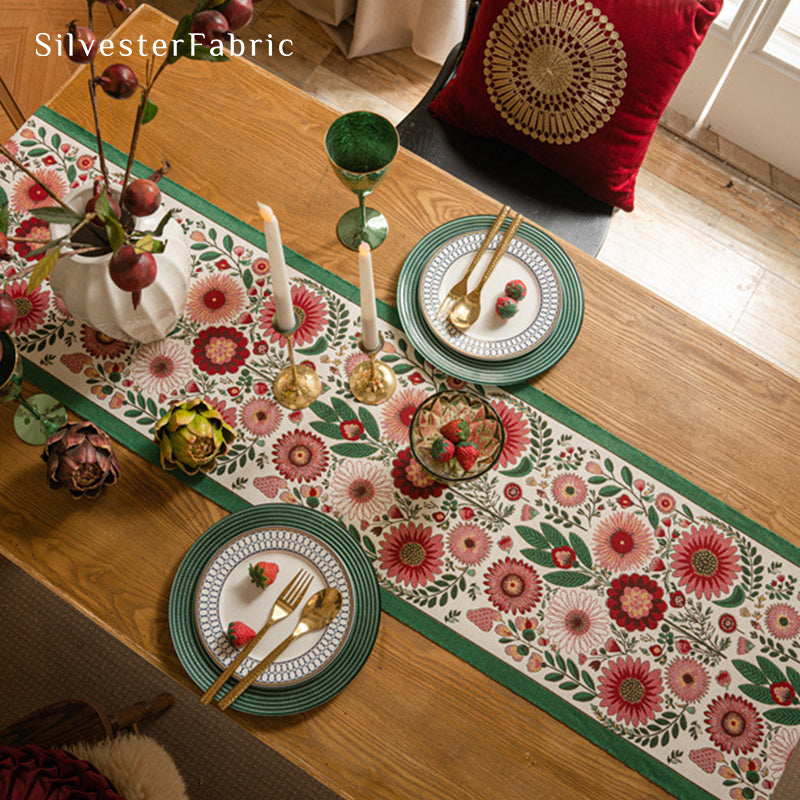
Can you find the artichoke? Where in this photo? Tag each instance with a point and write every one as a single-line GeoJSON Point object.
{"type": "Point", "coordinates": [80, 458]}
{"type": "Point", "coordinates": [191, 436]}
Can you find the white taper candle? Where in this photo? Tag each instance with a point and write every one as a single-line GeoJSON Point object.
{"type": "Point", "coordinates": [284, 310]}
{"type": "Point", "coordinates": [369, 315]}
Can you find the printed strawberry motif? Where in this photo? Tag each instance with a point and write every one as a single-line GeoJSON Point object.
{"type": "Point", "coordinates": [75, 362]}
{"type": "Point", "coordinates": [457, 430]}
{"type": "Point", "coordinates": [484, 618]}
{"type": "Point", "coordinates": [442, 449]}
{"type": "Point", "coordinates": [467, 455]}
{"type": "Point", "coordinates": [240, 634]}
{"type": "Point", "coordinates": [263, 573]}
{"type": "Point", "coordinates": [707, 758]}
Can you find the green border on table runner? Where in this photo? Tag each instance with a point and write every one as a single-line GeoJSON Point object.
{"type": "Point", "coordinates": [638, 760]}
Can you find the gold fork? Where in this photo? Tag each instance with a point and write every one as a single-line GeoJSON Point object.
{"type": "Point", "coordinates": [287, 601]}
{"type": "Point", "coordinates": [460, 289]}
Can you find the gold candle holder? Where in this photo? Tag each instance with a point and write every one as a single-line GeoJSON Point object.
{"type": "Point", "coordinates": [296, 386]}
{"type": "Point", "coordinates": [372, 382]}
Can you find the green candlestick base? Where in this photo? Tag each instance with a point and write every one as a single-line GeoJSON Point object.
{"type": "Point", "coordinates": [351, 233]}
{"type": "Point", "coordinates": [38, 417]}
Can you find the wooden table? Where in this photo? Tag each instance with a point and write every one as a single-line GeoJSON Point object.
{"type": "Point", "coordinates": [416, 721]}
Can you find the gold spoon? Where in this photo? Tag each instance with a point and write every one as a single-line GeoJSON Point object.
{"type": "Point", "coordinates": [467, 309]}
{"type": "Point", "coordinates": [320, 609]}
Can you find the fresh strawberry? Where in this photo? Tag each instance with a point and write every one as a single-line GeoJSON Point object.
{"type": "Point", "coordinates": [457, 430]}
{"type": "Point", "coordinates": [240, 634]}
{"type": "Point", "coordinates": [263, 573]}
{"type": "Point", "coordinates": [442, 449]}
{"type": "Point", "coordinates": [467, 455]}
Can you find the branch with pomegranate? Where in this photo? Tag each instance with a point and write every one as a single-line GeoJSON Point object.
{"type": "Point", "coordinates": [108, 221]}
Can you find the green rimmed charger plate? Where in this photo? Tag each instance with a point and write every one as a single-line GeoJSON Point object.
{"type": "Point", "coordinates": [497, 373]}
{"type": "Point", "coordinates": [294, 699]}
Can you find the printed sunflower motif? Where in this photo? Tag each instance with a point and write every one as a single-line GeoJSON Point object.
{"type": "Point", "coordinates": [31, 308]}
{"type": "Point", "coordinates": [780, 749]}
{"type": "Point", "coordinates": [399, 411]}
{"type": "Point", "coordinates": [310, 310]}
{"type": "Point", "coordinates": [411, 554]}
{"type": "Point", "coordinates": [100, 345]}
{"type": "Point", "coordinates": [706, 562]}
{"type": "Point", "coordinates": [300, 456]}
{"type": "Point", "coordinates": [218, 350]}
{"type": "Point", "coordinates": [631, 691]}
{"type": "Point", "coordinates": [734, 724]}
{"type": "Point", "coordinates": [411, 479]}
{"type": "Point", "coordinates": [28, 193]}
{"type": "Point", "coordinates": [513, 586]}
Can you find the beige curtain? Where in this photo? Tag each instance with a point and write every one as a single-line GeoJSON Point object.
{"type": "Point", "coordinates": [360, 27]}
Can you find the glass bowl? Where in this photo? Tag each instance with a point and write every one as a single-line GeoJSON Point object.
{"type": "Point", "coordinates": [485, 432]}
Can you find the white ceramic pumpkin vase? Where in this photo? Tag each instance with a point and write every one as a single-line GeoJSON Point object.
{"type": "Point", "coordinates": [84, 285]}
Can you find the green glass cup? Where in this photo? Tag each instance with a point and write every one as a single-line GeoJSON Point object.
{"type": "Point", "coordinates": [361, 146]}
{"type": "Point", "coordinates": [40, 415]}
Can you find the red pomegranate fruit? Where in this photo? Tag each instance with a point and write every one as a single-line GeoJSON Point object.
{"type": "Point", "coordinates": [91, 203]}
{"type": "Point", "coordinates": [238, 13]}
{"type": "Point", "coordinates": [8, 312]}
{"type": "Point", "coordinates": [141, 197]}
{"type": "Point", "coordinates": [212, 27]}
{"type": "Point", "coordinates": [80, 43]}
{"type": "Point", "coordinates": [118, 81]}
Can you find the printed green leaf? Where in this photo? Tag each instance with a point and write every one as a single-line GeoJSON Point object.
{"type": "Point", "coordinates": [627, 477]}
{"type": "Point", "coordinates": [532, 536]}
{"type": "Point", "coordinates": [784, 716]}
{"type": "Point", "coordinates": [328, 429]}
{"type": "Point", "coordinates": [794, 678]}
{"type": "Point", "coordinates": [342, 409]}
{"type": "Point", "coordinates": [652, 516]}
{"type": "Point", "coordinates": [521, 470]}
{"type": "Point", "coordinates": [354, 449]}
{"type": "Point", "coordinates": [609, 491]}
{"type": "Point", "coordinates": [554, 536]}
{"type": "Point", "coordinates": [581, 549]}
{"type": "Point", "coordinates": [401, 369]}
{"type": "Point", "coordinates": [323, 411]}
{"type": "Point", "coordinates": [320, 346]}
{"type": "Point", "coordinates": [4, 216]}
{"type": "Point", "coordinates": [541, 557]}
{"type": "Point", "coordinates": [567, 578]}
{"type": "Point", "coordinates": [758, 693]}
{"type": "Point", "coordinates": [737, 597]}
{"type": "Point", "coordinates": [772, 673]}
{"type": "Point", "coordinates": [369, 423]}
{"type": "Point", "coordinates": [750, 671]}
{"type": "Point", "coordinates": [583, 697]}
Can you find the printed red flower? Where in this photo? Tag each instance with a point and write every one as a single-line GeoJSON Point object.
{"type": "Point", "coordinates": [517, 433]}
{"type": "Point", "coordinates": [218, 350]}
{"type": "Point", "coordinates": [624, 501]}
{"type": "Point", "coordinates": [564, 557]}
{"type": "Point", "coordinates": [688, 679]}
{"type": "Point", "coordinates": [727, 623]}
{"type": "Point", "coordinates": [411, 479]}
{"type": "Point", "coordinates": [622, 541]}
{"type": "Point", "coordinates": [411, 554]}
{"type": "Point", "coordinates": [398, 413]}
{"type": "Point", "coordinates": [706, 562]}
{"type": "Point", "coordinates": [100, 345]}
{"type": "Point", "coordinates": [783, 621]}
{"type": "Point", "coordinates": [733, 724]}
{"type": "Point", "coordinates": [782, 693]}
{"type": "Point", "coordinates": [513, 491]}
{"type": "Point", "coordinates": [568, 489]}
{"type": "Point", "coordinates": [31, 308]}
{"type": "Point", "coordinates": [300, 456]}
{"type": "Point", "coordinates": [635, 602]}
{"type": "Point", "coordinates": [630, 690]}
{"type": "Point", "coordinates": [35, 232]}
{"type": "Point", "coordinates": [311, 312]}
{"type": "Point", "coordinates": [28, 193]}
{"type": "Point", "coordinates": [665, 503]}
{"type": "Point", "coordinates": [469, 544]}
{"type": "Point", "coordinates": [513, 586]}
{"type": "Point", "coordinates": [351, 429]}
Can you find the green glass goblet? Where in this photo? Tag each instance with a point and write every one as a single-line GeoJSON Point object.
{"type": "Point", "coordinates": [40, 415]}
{"type": "Point", "coordinates": [361, 146]}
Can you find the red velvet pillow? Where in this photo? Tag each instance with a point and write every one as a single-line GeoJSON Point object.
{"type": "Point", "coordinates": [577, 85]}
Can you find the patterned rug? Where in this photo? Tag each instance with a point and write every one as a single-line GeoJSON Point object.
{"type": "Point", "coordinates": [642, 612]}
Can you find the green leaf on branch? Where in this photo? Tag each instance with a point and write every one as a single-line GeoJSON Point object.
{"type": "Point", "coordinates": [159, 231]}
{"type": "Point", "coordinates": [114, 231]}
{"type": "Point", "coordinates": [58, 215]}
{"type": "Point", "coordinates": [150, 110]}
{"type": "Point", "coordinates": [43, 269]}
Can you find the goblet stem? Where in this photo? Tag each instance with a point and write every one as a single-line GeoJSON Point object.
{"type": "Point", "coordinates": [362, 205]}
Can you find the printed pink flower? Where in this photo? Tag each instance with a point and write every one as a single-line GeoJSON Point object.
{"type": "Point", "coordinates": [360, 490]}
{"type": "Point", "coordinates": [31, 308]}
{"type": "Point", "coordinates": [576, 622]}
{"type": "Point", "coordinates": [469, 544]}
{"type": "Point", "coordinates": [261, 416]}
{"type": "Point", "coordinates": [733, 724]}
{"type": "Point", "coordinates": [34, 231]}
{"type": "Point", "coordinates": [622, 541]}
{"type": "Point", "coordinates": [411, 554]}
{"type": "Point", "coordinates": [84, 163]}
{"type": "Point", "coordinates": [161, 367]}
{"type": "Point", "coordinates": [351, 429]}
{"type": "Point", "coordinates": [665, 503]}
{"type": "Point", "coordinates": [27, 194]}
{"type": "Point", "coordinates": [631, 691]}
{"type": "Point", "coordinates": [100, 345]}
{"type": "Point", "coordinates": [12, 148]}
{"type": "Point", "coordinates": [219, 350]}
{"type": "Point", "coordinates": [260, 266]}
{"type": "Point", "coordinates": [300, 456]}
{"type": "Point", "coordinates": [635, 602]}
{"type": "Point", "coordinates": [688, 679]}
{"type": "Point", "coordinates": [783, 621]}
{"type": "Point", "coordinates": [568, 489]}
{"type": "Point", "coordinates": [353, 360]}
{"type": "Point", "coordinates": [399, 411]}
{"type": "Point", "coordinates": [513, 586]}
{"type": "Point", "coordinates": [517, 433]}
{"type": "Point", "coordinates": [706, 562]}
{"type": "Point", "coordinates": [215, 299]}
{"type": "Point", "coordinates": [311, 312]}
{"type": "Point", "coordinates": [411, 479]}
{"type": "Point", "coordinates": [780, 749]}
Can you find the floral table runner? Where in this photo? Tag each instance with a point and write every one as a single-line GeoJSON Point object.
{"type": "Point", "coordinates": [642, 612]}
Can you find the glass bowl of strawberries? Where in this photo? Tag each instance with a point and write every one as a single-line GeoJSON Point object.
{"type": "Point", "coordinates": [456, 435]}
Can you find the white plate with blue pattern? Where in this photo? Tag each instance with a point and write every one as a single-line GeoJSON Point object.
{"type": "Point", "coordinates": [492, 338]}
{"type": "Point", "coordinates": [226, 594]}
